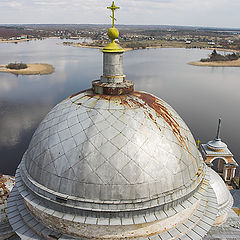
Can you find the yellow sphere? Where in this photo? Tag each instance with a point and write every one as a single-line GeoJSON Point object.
{"type": "Point", "coordinates": [113, 33]}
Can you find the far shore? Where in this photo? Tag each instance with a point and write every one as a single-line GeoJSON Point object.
{"type": "Point", "coordinates": [88, 46]}
{"type": "Point", "coordinates": [235, 63]}
{"type": "Point", "coordinates": [17, 41]}
{"type": "Point", "coordinates": [148, 47]}
{"type": "Point", "coordinates": [163, 45]}
{"type": "Point", "coordinates": [32, 69]}
{"type": "Point", "coordinates": [22, 40]}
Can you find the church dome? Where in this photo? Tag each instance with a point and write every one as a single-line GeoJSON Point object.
{"type": "Point", "coordinates": [112, 163]}
{"type": "Point", "coordinates": [107, 148]}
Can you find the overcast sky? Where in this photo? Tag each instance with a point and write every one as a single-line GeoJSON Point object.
{"type": "Point", "coordinates": [213, 13]}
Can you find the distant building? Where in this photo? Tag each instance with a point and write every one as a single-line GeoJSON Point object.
{"type": "Point", "coordinates": [211, 43]}
{"type": "Point", "coordinates": [217, 156]}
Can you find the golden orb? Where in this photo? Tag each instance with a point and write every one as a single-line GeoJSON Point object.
{"type": "Point", "coordinates": [113, 33]}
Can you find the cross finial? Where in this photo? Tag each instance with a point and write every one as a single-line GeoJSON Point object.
{"type": "Point", "coordinates": [113, 8]}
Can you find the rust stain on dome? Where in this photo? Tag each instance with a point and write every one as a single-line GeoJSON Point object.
{"type": "Point", "coordinates": [147, 100]}
{"type": "Point", "coordinates": [163, 112]}
{"type": "Point", "coordinates": [116, 89]}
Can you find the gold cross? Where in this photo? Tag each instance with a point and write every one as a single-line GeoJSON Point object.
{"type": "Point", "coordinates": [113, 8]}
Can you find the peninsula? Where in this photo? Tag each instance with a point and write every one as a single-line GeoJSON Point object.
{"type": "Point", "coordinates": [30, 69]}
{"type": "Point", "coordinates": [235, 63]}
{"type": "Point", "coordinates": [217, 60]}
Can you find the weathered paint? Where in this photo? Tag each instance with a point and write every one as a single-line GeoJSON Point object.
{"type": "Point", "coordinates": [132, 231]}
{"type": "Point", "coordinates": [113, 89]}
{"type": "Point", "coordinates": [162, 112]}
{"type": "Point", "coordinates": [125, 96]}
{"type": "Point", "coordinates": [6, 184]}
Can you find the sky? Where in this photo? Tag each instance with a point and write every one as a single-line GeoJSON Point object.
{"type": "Point", "coordinates": [205, 13]}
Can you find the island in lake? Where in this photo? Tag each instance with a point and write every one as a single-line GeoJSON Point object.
{"type": "Point", "coordinates": [27, 69]}
{"type": "Point", "coordinates": [217, 60]}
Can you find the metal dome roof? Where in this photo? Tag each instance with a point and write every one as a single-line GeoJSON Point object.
{"type": "Point", "coordinates": [224, 197]}
{"type": "Point", "coordinates": [111, 163]}
{"type": "Point", "coordinates": [217, 145]}
{"type": "Point", "coordinates": [111, 148]}
{"type": "Point", "coordinates": [155, 186]}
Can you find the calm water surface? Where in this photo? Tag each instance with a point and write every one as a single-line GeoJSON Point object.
{"type": "Point", "coordinates": [199, 94]}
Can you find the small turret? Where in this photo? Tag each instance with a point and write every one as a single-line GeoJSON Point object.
{"type": "Point", "coordinates": [216, 144]}
{"type": "Point", "coordinates": [219, 157]}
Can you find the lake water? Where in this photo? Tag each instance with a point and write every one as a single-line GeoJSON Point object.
{"type": "Point", "coordinates": [199, 94]}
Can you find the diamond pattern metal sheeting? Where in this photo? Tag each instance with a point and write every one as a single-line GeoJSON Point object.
{"type": "Point", "coordinates": [33, 169]}
{"type": "Point", "coordinates": [142, 159]}
{"type": "Point", "coordinates": [152, 170]}
{"type": "Point", "coordinates": [95, 160]}
{"type": "Point", "coordinates": [80, 138]}
{"type": "Point", "coordinates": [82, 169]}
{"type": "Point", "coordinates": [119, 179]}
{"type": "Point", "coordinates": [106, 172]}
{"type": "Point", "coordinates": [69, 174]}
{"type": "Point", "coordinates": [101, 104]}
{"type": "Point", "coordinates": [108, 150]}
{"type": "Point", "coordinates": [119, 160]}
{"type": "Point", "coordinates": [68, 144]}
{"type": "Point", "coordinates": [111, 149]}
{"type": "Point", "coordinates": [62, 165]}
{"type": "Point", "coordinates": [86, 123]}
{"type": "Point", "coordinates": [87, 148]}
{"type": "Point", "coordinates": [130, 149]}
{"type": "Point", "coordinates": [56, 151]}
{"type": "Point", "coordinates": [174, 164]}
{"type": "Point", "coordinates": [65, 134]}
{"type": "Point", "coordinates": [132, 172]}
{"type": "Point", "coordinates": [91, 102]}
{"type": "Point", "coordinates": [119, 141]}
{"type": "Point", "coordinates": [109, 117]}
{"type": "Point", "coordinates": [178, 180]}
{"type": "Point", "coordinates": [101, 124]}
{"type": "Point", "coordinates": [110, 133]}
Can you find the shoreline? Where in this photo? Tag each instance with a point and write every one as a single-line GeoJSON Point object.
{"type": "Point", "coordinates": [235, 63]}
{"type": "Point", "coordinates": [18, 41]}
{"type": "Point", "coordinates": [93, 47]}
{"type": "Point", "coordinates": [126, 49]}
{"type": "Point", "coordinates": [32, 69]}
{"type": "Point", "coordinates": [150, 47]}
{"type": "Point", "coordinates": [24, 40]}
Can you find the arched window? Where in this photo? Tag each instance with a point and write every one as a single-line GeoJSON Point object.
{"type": "Point", "coordinates": [218, 165]}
